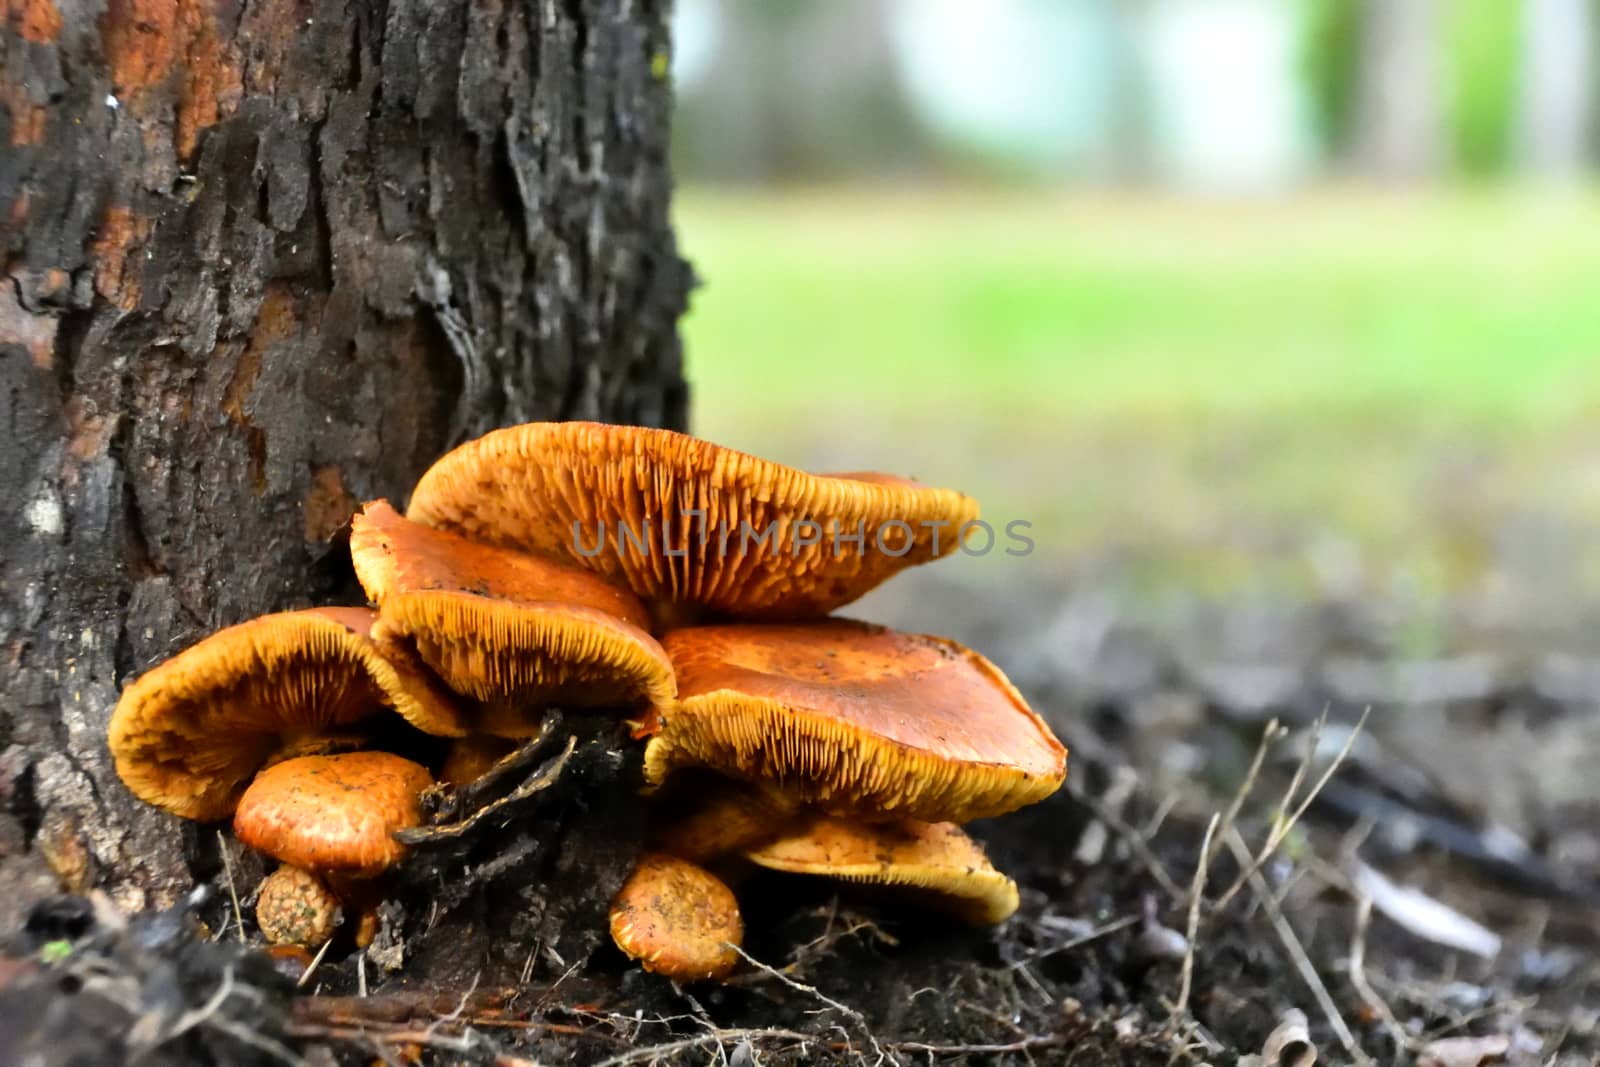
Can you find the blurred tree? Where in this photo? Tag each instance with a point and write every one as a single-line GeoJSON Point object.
{"type": "Point", "coordinates": [1556, 101]}
{"type": "Point", "coordinates": [1481, 54]}
{"type": "Point", "coordinates": [262, 262]}
{"type": "Point", "coordinates": [1330, 60]}
{"type": "Point", "coordinates": [796, 89]}
{"type": "Point", "coordinates": [1399, 111]}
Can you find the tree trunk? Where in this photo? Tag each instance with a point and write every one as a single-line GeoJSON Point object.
{"type": "Point", "coordinates": [1400, 128]}
{"type": "Point", "coordinates": [1556, 99]}
{"type": "Point", "coordinates": [264, 261]}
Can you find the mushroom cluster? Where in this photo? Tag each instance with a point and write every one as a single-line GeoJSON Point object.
{"type": "Point", "coordinates": [685, 585]}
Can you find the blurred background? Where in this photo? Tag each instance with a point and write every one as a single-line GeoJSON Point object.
{"type": "Point", "coordinates": [1231, 299]}
{"type": "Point", "coordinates": [1279, 320]}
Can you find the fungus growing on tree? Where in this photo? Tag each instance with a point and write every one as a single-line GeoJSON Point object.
{"type": "Point", "coordinates": [853, 718]}
{"type": "Point", "coordinates": [333, 818]}
{"type": "Point", "coordinates": [936, 862]}
{"type": "Point", "coordinates": [189, 734]}
{"type": "Point", "coordinates": [515, 632]}
{"type": "Point", "coordinates": [677, 919]}
{"type": "Point", "coordinates": [815, 745]}
{"type": "Point", "coordinates": [687, 524]}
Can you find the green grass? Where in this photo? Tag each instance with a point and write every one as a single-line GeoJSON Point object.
{"type": "Point", "coordinates": [1221, 390]}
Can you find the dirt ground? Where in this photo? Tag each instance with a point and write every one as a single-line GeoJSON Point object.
{"type": "Point", "coordinates": [1423, 889]}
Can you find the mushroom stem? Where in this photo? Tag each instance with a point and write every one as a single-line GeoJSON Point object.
{"type": "Point", "coordinates": [309, 743]}
{"type": "Point", "coordinates": [471, 757]}
{"type": "Point", "coordinates": [295, 907]}
{"type": "Point", "coordinates": [724, 817]}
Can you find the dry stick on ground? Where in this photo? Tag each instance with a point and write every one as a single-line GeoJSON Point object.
{"type": "Point", "coordinates": [311, 968]}
{"type": "Point", "coordinates": [1296, 951]}
{"type": "Point", "coordinates": [1197, 892]}
{"type": "Point", "coordinates": [843, 1009]}
{"type": "Point", "coordinates": [233, 890]}
{"type": "Point", "coordinates": [1358, 976]}
{"type": "Point", "coordinates": [1247, 785]}
{"type": "Point", "coordinates": [717, 1038]}
{"type": "Point", "coordinates": [1078, 942]}
{"type": "Point", "coordinates": [1283, 824]}
{"type": "Point", "coordinates": [1129, 834]}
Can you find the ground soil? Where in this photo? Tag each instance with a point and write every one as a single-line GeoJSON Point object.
{"type": "Point", "coordinates": [493, 948]}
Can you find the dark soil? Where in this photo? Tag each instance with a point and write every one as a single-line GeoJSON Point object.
{"type": "Point", "coordinates": [1460, 786]}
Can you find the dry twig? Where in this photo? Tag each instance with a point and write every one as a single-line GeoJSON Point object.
{"type": "Point", "coordinates": [1078, 942]}
{"type": "Point", "coordinates": [1358, 976]}
{"type": "Point", "coordinates": [843, 1009]}
{"type": "Point", "coordinates": [1197, 891]}
{"type": "Point", "coordinates": [233, 890]}
{"type": "Point", "coordinates": [1283, 824]}
{"type": "Point", "coordinates": [1297, 953]}
{"type": "Point", "coordinates": [1131, 836]}
{"type": "Point", "coordinates": [1247, 785]}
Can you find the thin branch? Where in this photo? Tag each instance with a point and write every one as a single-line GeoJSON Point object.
{"type": "Point", "coordinates": [233, 890]}
{"type": "Point", "coordinates": [652, 1053]}
{"type": "Point", "coordinates": [843, 1009]}
{"type": "Point", "coordinates": [1297, 953]}
{"type": "Point", "coordinates": [1078, 942]}
{"type": "Point", "coordinates": [1131, 836]}
{"type": "Point", "coordinates": [305, 975]}
{"type": "Point", "coordinates": [1358, 976]}
{"type": "Point", "coordinates": [1281, 825]}
{"type": "Point", "coordinates": [1197, 892]}
{"type": "Point", "coordinates": [1269, 737]}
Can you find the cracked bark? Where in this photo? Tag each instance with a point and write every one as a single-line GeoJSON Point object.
{"type": "Point", "coordinates": [262, 261]}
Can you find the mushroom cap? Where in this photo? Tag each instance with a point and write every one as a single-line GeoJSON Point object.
{"type": "Point", "coordinates": [293, 907]}
{"type": "Point", "coordinates": [854, 718]}
{"type": "Point", "coordinates": [188, 734]}
{"type": "Point", "coordinates": [561, 489]}
{"type": "Point", "coordinates": [333, 814]}
{"type": "Point", "coordinates": [936, 859]}
{"type": "Point", "coordinates": [514, 631]}
{"type": "Point", "coordinates": [677, 919]}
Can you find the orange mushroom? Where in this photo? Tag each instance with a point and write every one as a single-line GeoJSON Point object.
{"type": "Point", "coordinates": [677, 919]}
{"type": "Point", "coordinates": [685, 523]}
{"type": "Point", "coordinates": [331, 818]}
{"type": "Point", "coordinates": [190, 733]}
{"type": "Point", "coordinates": [853, 718]}
{"type": "Point", "coordinates": [333, 813]}
{"type": "Point", "coordinates": [936, 862]}
{"type": "Point", "coordinates": [513, 631]}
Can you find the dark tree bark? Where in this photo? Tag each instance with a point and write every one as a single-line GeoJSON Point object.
{"type": "Point", "coordinates": [263, 261]}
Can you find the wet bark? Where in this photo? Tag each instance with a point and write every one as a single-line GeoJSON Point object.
{"type": "Point", "coordinates": [263, 261]}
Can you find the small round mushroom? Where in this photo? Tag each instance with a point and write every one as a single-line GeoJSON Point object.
{"type": "Point", "coordinates": [331, 821]}
{"type": "Point", "coordinates": [935, 861]}
{"type": "Point", "coordinates": [190, 733]}
{"type": "Point", "coordinates": [294, 907]}
{"type": "Point", "coordinates": [513, 631]}
{"type": "Point", "coordinates": [333, 814]}
{"type": "Point", "coordinates": [711, 528]}
{"type": "Point", "coordinates": [677, 919]}
{"type": "Point", "coordinates": [853, 718]}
